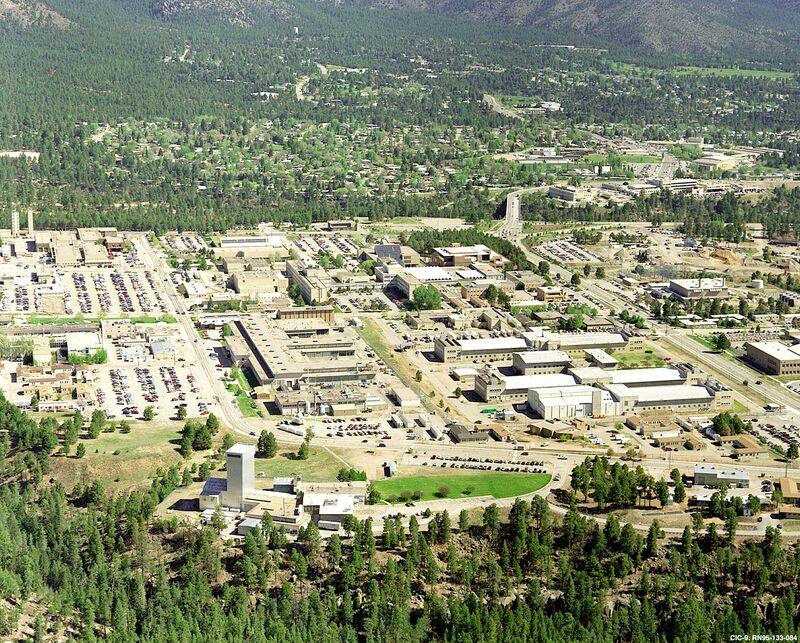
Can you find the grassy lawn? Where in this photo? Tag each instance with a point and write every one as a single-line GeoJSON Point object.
{"type": "Point", "coordinates": [738, 407]}
{"type": "Point", "coordinates": [321, 466]}
{"type": "Point", "coordinates": [730, 72]}
{"type": "Point", "coordinates": [460, 485]}
{"type": "Point", "coordinates": [371, 334]}
{"type": "Point", "coordinates": [247, 406]}
{"type": "Point", "coordinates": [515, 101]}
{"type": "Point", "coordinates": [638, 359]}
{"type": "Point", "coordinates": [241, 379]}
{"type": "Point", "coordinates": [169, 319]}
{"type": "Point", "coordinates": [121, 460]}
{"type": "Point", "coordinates": [705, 341]}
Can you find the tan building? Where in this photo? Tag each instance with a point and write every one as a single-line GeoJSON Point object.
{"type": "Point", "coordinates": [549, 293]}
{"type": "Point", "coordinates": [325, 313]}
{"type": "Point", "coordinates": [466, 255]}
{"type": "Point", "coordinates": [774, 358]}
{"type": "Point", "coordinates": [790, 490]}
{"type": "Point", "coordinates": [258, 282]}
{"type": "Point", "coordinates": [745, 447]}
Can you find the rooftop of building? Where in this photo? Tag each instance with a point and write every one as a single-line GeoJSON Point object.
{"type": "Point", "coordinates": [669, 393]}
{"type": "Point", "coordinates": [637, 375]}
{"type": "Point", "coordinates": [778, 350]}
{"type": "Point", "coordinates": [543, 357]}
{"type": "Point", "coordinates": [524, 382]}
{"type": "Point", "coordinates": [720, 471]}
{"type": "Point", "coordinates": [240, 448]}
{"type": "Point", "coordinates": [493, 344]}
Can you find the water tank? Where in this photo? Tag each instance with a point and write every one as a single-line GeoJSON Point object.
{"type": "Point", "coordinates": [758, 284]}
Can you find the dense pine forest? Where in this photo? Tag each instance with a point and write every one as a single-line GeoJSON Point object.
{"type": "Point", "coordinates": [88, 565]}
{"type": "Point", "coordinates": [151, 121]}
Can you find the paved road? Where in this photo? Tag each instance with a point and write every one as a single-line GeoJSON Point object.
{"type": "Point", "coordinates": [495, 106]}
{"type": "Point", "coordinates": [770, 391]}
{"type": "Point", "coordinates": [228, 413]}
{"type": "Point", "coordinates": [665, 170]}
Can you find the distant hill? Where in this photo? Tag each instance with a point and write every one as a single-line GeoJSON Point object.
{"type": "Point", "coordinates": [26, 13]}
{"type": "Point", "coordinates": [238, 12]}
{"type": "Point", "coordinates": [679, 26]}
{"type": "Point", "coordinates": [765, 28]}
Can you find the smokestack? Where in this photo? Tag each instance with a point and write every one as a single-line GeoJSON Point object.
{"type": "Point", "coordinates": [14, 223]}
{"type": "Point", "coordinates": [30, 223]}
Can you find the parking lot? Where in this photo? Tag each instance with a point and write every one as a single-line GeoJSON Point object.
{"type": "Point", "coordinates": [334, 246]}
{"type": "Point", "coordinates": [126, 286]}
{"type": "Point", "coordinates": [521, 465]}
{"type": "Point", "coordinates": [777, 434]}
{"type": "Point", "coordinates": [567, 252]}
{"type": "Point", "coordinates": [185, 243]}
{"type": "Point", "coordinates": [126, 392]}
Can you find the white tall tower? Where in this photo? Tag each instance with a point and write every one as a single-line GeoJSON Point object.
{"type": "Point", "coordinates": [241, 474]}
{"type": "Point", "coordinates": [14, 223]}
{"type": "Point", "coordinates": [30, 223]}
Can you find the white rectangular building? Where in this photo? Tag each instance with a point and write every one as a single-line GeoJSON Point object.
{"type": "Point", "coordinates": [572, 402]}
{"type": "Point", "coordinates": [712, 476]}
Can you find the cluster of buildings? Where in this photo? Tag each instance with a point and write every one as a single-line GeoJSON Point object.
{"type": "Point", "coordinates": [58, 388]}
{"type": "Point", "coordinates": [574, 375]}
{"type": "Point", "coordinates": [452, 348]}
{"type": "Point", "coordinates": [290, 503]}
{"type": "Point", "coordinates": [302, 361]}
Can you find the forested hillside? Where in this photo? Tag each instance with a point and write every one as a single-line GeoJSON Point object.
{"type": "Point", "coordinates": [687, 26]}
{"type": "Point", "coordinates": [92, 565]}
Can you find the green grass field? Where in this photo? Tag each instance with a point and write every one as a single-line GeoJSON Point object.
{"type": "Point", "coordinates": [321, 466]}
{"type": "Point", "coordinates": [639, 359]}
{"type": "Point", "coordinates": [169, 319]}
{"type": "Point", "coordinates": [247, 405]}
{"type": "Point", "coordinates": [704, 341]}
{"type": "Point", "coordinates": [738, 407]}
{"type": "Point", "coordinates": [731, 72]}
{"type": "Point", "coordinates": [121, 460]}
{"type": "Point", "coordinates": [461, 485]}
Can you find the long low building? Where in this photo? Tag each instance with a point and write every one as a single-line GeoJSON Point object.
{"type": "Point", "coordinates": [712, 476]}
{"type": "Point", "coordinates": [774, 358]}
{"type": "Point", "coordinates": [277, 356]}
{"type": "Point", "coordinates": [579, 343]}
{"type": "Point", "coordinates": [491, 387]}
{"type": "Point", "coordinates": [448, 348]}
{"type": "Point", "coordinates": [706, 288]}
{"type": "Point", "coordinates": [540, 362]}
{"type": "Point", "coordinates": [675, 397]}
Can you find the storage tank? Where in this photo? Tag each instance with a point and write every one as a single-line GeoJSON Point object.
{"type": "Point", "coordinates": [758, 284]}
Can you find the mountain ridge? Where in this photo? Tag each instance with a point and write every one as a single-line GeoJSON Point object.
{"type": "Point", "coordinates": [683, 26]}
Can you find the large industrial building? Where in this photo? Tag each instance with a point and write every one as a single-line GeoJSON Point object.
{"type": "Point", "coordinates": [572, 402]}
{"type": "Point", "coordinates": [490, 386]}
{"type": "Point", "coordinates": [466, 255]}
{"type": "Point", "coordinates": [290, 503]}
{"type": "Point", "coordinates": [541, 362]}
{"type": "Point", "coordinates": [676, 397]}
{"type": "Point", "coordinates": [774, 358]}
{"type": "Point", "coordinates": [706, 288]}
{"type": "Point", "coordinates": [313, 283]}
{"type": "Point", "coordinates": [579, 343]}
{"type": "Point", "coordinates": [448, 348]}
{"type": "Point", "coordinates": [293, 352]}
